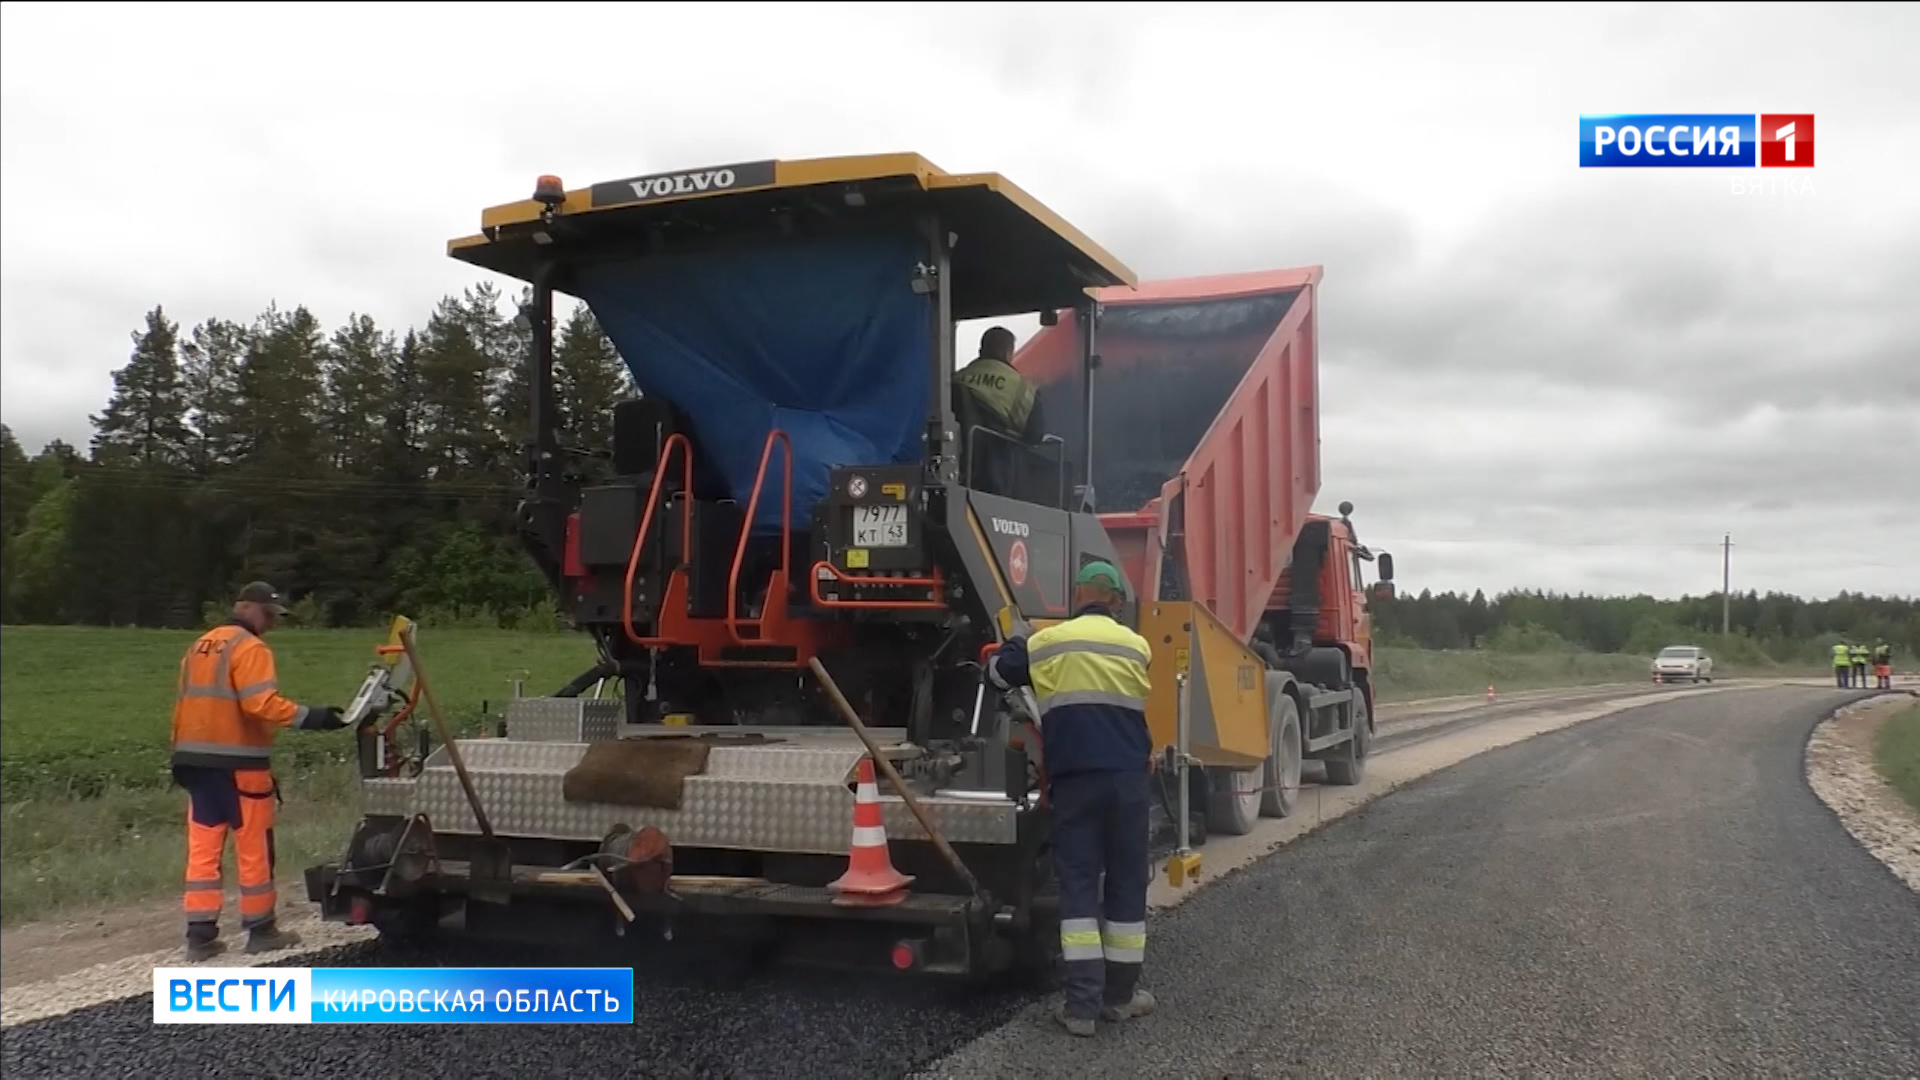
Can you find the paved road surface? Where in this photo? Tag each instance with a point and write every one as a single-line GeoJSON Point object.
{"type": "Point", "coordinates": [1655, 892]}
{"type": "Point", "coordinates": [1651, 893]}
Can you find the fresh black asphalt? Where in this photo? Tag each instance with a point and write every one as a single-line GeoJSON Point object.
{"type": "Point", "coordinates": [1651, 893]}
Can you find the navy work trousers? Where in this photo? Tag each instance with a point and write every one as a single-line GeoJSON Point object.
{"type": "Point", "coordinates": [1100, 822]}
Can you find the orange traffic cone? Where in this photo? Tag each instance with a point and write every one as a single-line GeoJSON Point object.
{"type": "Point", "coordinates": [870, 880]}
{"type": "Point", "coordinates": [1489, 691]}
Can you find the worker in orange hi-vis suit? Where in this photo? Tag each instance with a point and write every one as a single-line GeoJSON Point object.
{"type": "Point", "coordinates": [227, 710]}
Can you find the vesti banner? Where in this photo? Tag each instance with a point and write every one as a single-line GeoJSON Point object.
{"type": "Point", "coordinates": [261, 995]}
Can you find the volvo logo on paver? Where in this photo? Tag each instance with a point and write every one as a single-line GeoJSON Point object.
{"type": "Point", "coordinates": [1010, 528]}
{"type": "Point", "coordinates": [683, 183]}
{"type": "Point", "coordinates": [673, 185]}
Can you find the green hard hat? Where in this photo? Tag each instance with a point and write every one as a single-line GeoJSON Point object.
{"type": "Point", "coordinates": [1102, 574]}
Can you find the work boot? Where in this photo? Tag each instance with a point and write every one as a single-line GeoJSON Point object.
{"type": "Point", "coordinates": [1075, 1025]}
{"type": "Point", "coordinates": [204, 948]}
{"type": "Point", "coordinates": [270, 938]}
{"type": "Point", "coordinates": [1140, 1005]}
{"type": "Point", "coordinates": [1123, 996]}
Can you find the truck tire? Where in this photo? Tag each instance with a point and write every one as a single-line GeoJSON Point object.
{"type": "Point", "coordinates": [1348, 765]}
{"type": "Point", "coordinates": [1037, 959]}
{"type": "Point", "coordinates": [408, 929]}
{"type": "Point", "coordinates": [1233, 800]}
{"type": "Point", "coordinates": [1281, 775]}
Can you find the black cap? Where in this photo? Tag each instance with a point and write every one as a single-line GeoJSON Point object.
{"type": "Point", "coordinates": [265, 595]}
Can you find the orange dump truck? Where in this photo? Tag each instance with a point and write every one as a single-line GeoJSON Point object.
{"type": "Point", "coordinates": [1205, 465]}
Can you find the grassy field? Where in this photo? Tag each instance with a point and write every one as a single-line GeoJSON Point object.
{"type": "Point", "coordinates": [1407, 674]}
{"type": "Point", "coordinates": [1897, 752]}
{"type": "Point", "coordinates": [86, 814]}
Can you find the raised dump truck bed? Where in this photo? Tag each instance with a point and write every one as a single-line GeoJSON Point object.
{"type": "Point", "coordinates": [1205, 466]}
{"type": "Point", "coordinates": [1206, 403]}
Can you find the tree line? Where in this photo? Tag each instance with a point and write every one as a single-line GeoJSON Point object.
{"type": "Point", "coordinates": [1771, 627]}
{"type": "Point", "coordinates": [363, 471]}
{"type": "Point", "coordinates": [367, 471]}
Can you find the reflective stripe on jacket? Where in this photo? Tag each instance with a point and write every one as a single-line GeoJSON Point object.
{"type": "Point", "coordinates": [1003, 393]}
{"type": "Point", "coordinates": [229, 702]}
{"type": "Point", "coordinates": [1089, 677]}
{"type": "Point", "coordinates": [1859, 654]}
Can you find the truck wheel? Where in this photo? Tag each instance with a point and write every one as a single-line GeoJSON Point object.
{"type": "Point", "coordinates": [1037, 957]}
{"type": "Point", "coordinates": [409, 928]}
{"type": "Point", "coordinates": [1280, 781]}
{"type": "Point", "coordinates": [1233, 800]}
{"type": "Point", "coordinates": [1348, 765]}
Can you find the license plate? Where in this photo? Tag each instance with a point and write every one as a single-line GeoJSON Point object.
{"type": "Point", "coordinates": [883, 526]}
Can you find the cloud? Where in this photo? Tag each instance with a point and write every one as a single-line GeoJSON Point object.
{"type": "Point", "coordinates": [1522, 361]}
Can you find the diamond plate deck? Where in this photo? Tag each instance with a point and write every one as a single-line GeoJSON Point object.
{"type": "Point", "coordinates": [567, 720]}
{"type": "Point", "coordinates": [386, 797]}
{"type": "Point", "coordinates": [789, 796]}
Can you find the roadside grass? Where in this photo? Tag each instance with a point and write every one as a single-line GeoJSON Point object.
{"type": "Point", "coordinates": [1410, 674]}
{"type": "Point", "coordinates": [89, 708]}
{"type": "Point", "coordinates": [87, 816]}
{"type": "Point", "coordinates": [1897, 753]}
{"type": "Point", "coordinates": [64, 854]}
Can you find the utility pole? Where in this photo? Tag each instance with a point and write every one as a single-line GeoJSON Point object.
{"type": "Point", "coordinates": [1726, 581]}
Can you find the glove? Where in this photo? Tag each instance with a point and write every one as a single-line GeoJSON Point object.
{"type": "Point", "coordinates": [324, 718]}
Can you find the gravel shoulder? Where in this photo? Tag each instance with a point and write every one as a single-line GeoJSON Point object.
{"type": "Point", "coordinates": [1655, 892]}
{"type": "Point", "coordinates": [1840, 769]}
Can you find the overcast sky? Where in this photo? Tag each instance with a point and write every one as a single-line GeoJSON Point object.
{"type": "Point", "coordinates": [1532, 375]}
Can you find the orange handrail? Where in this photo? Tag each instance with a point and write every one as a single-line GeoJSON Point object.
{"type": "Point", "coordinates": [746, 530]}
{"type": "Point", "coordinates": [646, 524]}
{"type": "Point", "coordinates": [935, 582]}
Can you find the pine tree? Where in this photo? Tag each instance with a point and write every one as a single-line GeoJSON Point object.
{"type": "Point", "coordinates": [359, 362]}
{"type": "Point", "coordinates": [457, 371]}
{"type": "Point", "coordinates": [400, 420]}
{"type": "Point", "coordinates": [278, 394]}
{"type": "Point", "coordinates": [210, 362]}
{"type": "Point", "coordinates": [145, 422]}
{"type": "Point", "coordinates": [509, 344]}
{"type": "Point", "coordinates": [589, 379]}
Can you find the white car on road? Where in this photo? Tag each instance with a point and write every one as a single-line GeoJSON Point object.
{"type": "Point", "coordinates": [1683, 663]}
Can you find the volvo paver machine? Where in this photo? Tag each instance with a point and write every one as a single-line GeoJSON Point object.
{"type": "Point", "coordinates": [797, 491]}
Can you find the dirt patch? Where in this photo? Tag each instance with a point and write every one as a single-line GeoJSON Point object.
{"type": "Point", "coordinates": [1841, 771]}
{"type": "Point", "coordinates": [38, 951]}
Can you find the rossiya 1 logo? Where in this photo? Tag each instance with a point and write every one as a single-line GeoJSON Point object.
{"type": "Point", "coordinates": [1697, 141]}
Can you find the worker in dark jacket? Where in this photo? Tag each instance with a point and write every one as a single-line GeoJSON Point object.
{"type": "Point", "coordinates": [990, 392]}
{"type": "Point", "coordinates": [1089, 678]}
{"type": "Point", "coordinates": [1007, 401]}
{"type": "Point", "coordinates": [227, 710]}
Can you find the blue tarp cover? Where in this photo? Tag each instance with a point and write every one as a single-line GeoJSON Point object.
{"type": "Point", "coordinates": [825, 340]}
